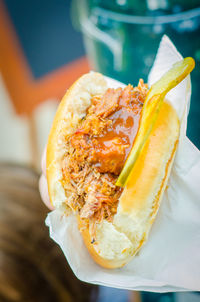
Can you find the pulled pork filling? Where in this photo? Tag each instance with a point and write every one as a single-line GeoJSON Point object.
{"type": "Point", "coordinates": [97, 151]}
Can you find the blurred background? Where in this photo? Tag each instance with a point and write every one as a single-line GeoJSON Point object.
{"type": "Point", "coordinates": [46, 45]}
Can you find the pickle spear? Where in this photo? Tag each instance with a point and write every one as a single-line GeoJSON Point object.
{"type": "Point", "coordinates": [151, 110]}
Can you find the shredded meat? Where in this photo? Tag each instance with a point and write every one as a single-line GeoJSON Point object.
{"type": "Point", "coordinates": [111, 160]}
{"type": "Point", "coordinates": [109, 102]}
{"type": "Point", "coordinates": [100, 193]}
{"type": "Point", "coordinates": [96, 152]}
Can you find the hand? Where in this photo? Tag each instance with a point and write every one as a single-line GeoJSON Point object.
{"type": "Point", "coordinates": [43, 188]}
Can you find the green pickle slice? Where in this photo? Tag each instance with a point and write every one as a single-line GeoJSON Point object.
{"type": "Point", "coordinates": [151, 110]}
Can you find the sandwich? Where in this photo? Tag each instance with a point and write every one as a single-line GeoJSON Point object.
{"type": "Point", "coordinates": [109, 156]}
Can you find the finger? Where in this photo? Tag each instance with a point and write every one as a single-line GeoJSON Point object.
{"type": "Point", "coordinates": [44, 191]}
{"type": "Point", "coordinates": [43, 161]}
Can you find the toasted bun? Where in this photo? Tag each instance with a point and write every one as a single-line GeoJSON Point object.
{"type": "Point", "coordinates": [116, 242]}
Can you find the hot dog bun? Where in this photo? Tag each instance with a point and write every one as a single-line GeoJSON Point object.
{"type": "Point", "coordinates": [116, 242]}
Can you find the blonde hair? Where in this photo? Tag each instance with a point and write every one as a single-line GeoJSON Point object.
{"type": "Point", "coordinates": [32, 267]}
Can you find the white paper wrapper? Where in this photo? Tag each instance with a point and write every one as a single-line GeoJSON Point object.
{"type": "Point", "coordinates": [170, 260]}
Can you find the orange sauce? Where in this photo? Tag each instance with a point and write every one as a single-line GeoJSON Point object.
{"type": "Point", "coordinates": [120, 133]}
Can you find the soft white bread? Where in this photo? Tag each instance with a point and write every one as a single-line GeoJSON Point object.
{"type": "Point", "coordinates": [116, 242]}
{"type": "Point", "coordinates": [71, 109]}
